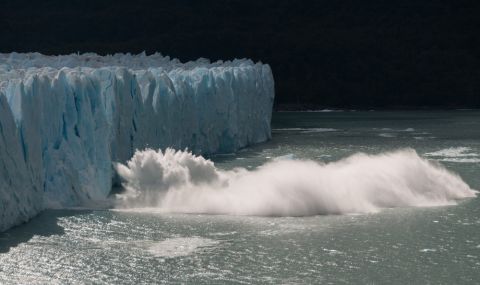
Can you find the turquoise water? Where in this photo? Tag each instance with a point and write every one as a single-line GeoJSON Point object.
{"type": "Point", "coordinates": [435, 245]}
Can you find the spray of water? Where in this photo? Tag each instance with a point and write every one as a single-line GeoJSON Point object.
{"type": "Point", "coordinates": [178, 181]}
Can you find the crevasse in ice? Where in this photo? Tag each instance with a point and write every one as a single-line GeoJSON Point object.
{"type": "Point", "coordinates": [65, 119]}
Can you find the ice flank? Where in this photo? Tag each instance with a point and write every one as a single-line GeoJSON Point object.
{"type": "Point", "coordinates": [64, 120]}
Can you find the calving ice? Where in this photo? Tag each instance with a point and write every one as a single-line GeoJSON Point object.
{"type": "Point", "coordinates": [71, 125]}
{"type": "Point", "coordinates": [64, 120]}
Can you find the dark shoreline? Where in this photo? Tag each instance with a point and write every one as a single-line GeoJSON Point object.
{"type": "Point", "coordinates": [326, 109]}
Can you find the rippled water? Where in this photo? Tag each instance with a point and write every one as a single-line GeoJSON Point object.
{"type": "Point", "coordinates": [439, 245]}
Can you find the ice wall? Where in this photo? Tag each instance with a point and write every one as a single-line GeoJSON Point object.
{"type": "Point", "coordinates": [65, 119]}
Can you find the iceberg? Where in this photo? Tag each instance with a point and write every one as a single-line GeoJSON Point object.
{"type": "Point", "coordinates": [65, 120]}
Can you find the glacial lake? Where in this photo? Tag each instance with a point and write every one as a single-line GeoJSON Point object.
{"type": "Point", "coordinates": [397, 245]}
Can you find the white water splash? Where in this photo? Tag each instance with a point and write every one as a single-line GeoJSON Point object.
{"type": "Point", "coordinates": [455, 154]}
{"type": "Point", "coordinates": [177, 181]}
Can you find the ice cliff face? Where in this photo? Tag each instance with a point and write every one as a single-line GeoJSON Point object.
{"type": "Point", "coordinates": [65, 119]}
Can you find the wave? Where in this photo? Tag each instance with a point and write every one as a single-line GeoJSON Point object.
{"type": "Point", "coordinates": [305, 130]}
{"type": "Point", "coordinates": [387, 135]}
{"type": "Point", "coordinates": [180, 182]}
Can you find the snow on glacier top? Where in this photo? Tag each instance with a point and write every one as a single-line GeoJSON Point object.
{"type": "Point", "coordinates": [9, 61]}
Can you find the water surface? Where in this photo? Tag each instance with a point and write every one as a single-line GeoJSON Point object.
{"type": "Point", "coordinates": [436, 245]}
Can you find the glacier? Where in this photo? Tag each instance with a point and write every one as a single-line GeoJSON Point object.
{"type": "Point", "coordinates": [65, 120]}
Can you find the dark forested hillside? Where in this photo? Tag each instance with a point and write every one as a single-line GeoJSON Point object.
{"type": "Point", "coordinates": [337, 53]}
